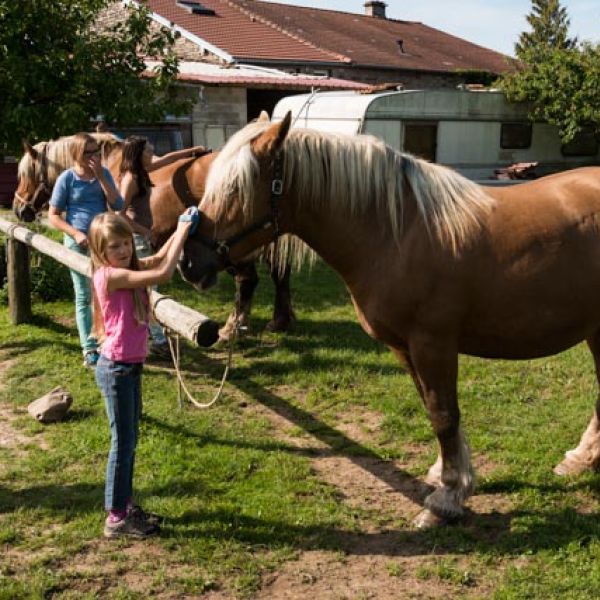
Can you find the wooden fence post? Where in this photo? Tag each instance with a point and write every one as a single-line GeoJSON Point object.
{"type": "Point", "coordinates": [19, 288]}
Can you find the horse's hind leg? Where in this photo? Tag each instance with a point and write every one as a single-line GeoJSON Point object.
{"type": "Point", "coordinates": [436, 370]}
{"type": "Point", "coordinates": [586, 457]}
{"type": "Point", "coordinates": [283, 313]}
{"type": "Point", "coordinates": [246, 280]}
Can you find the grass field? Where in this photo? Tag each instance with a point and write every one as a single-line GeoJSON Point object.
{"type": "Point", "coordinates": [303, 479]}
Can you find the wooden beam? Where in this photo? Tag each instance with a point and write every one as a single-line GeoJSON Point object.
{"type": "Point", "coordinates": [185, 321]}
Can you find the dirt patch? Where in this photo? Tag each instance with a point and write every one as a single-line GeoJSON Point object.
{"type": "Point", "coordinates": [375, 563]}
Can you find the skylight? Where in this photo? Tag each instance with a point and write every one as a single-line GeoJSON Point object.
{"type": "Point", "coordinates": [195, 7]}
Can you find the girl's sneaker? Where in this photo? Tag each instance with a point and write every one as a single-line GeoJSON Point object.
{"type": "Point", "coordinates": [90, 358]}
{"type": "Point", "coordinates": [131, 526]}
{"type": "Point", "coordinates": [149, 517]}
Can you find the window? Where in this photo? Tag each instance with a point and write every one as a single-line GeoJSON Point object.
{"type": "Point", "coordinates": [420, 139]}
{"type": "Point", "coordinates": [583, 144]}
{"type": "Point", "coordinates": [515, 135]}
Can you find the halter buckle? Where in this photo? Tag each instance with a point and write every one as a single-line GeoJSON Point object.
{"type": "Point", "coordinates": [222, 249]}
{"type": "Point", "coordinates": [277, 187]}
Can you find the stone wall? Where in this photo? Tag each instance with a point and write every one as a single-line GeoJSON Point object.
{"type": "Point", "coordinates": [185, 50]}
{"type": "Point", "coordinates": [218, 114]}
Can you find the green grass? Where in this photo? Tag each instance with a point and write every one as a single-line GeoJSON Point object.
{"type": "Point", "coordinates": [240, 502]}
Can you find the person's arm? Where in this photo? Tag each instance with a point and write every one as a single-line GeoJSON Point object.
{"type": "Point", "coordinates": [150, 262]}
{"type": "Point", "coordinates": [128, 190]}
{"type": "Point", "coordinates": [167, 159]}
{"type": "Point", "coordinates": [57, 221]}
{"type": "Point", "coordinates": [126, 278]}
{"type": "Point", "coordinates": [107, 183]}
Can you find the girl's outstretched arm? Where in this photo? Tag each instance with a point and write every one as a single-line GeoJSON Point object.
{"type": "Point", "coordinates": [161, 273]}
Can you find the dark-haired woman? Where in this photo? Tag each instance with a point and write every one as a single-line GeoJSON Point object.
{"type": "Point", "coordinates": [135, 187]}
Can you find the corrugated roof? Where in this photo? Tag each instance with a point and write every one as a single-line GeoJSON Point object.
{"type": "Point", "coordinates": [256, 77]}
{"type": "Point", "coordinates": [254, 30]}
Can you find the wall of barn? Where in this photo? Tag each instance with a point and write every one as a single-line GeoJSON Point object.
{"type": "Point", "coordinates": [217, 115]}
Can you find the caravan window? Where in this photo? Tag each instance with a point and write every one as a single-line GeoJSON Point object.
{"type": "Point", "coordinates": [515, 135]}
{"type": "Point", "coordinates": [583, 144]}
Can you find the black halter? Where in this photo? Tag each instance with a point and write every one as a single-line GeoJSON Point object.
{"type": "Point", "coordinates": [223, 247]}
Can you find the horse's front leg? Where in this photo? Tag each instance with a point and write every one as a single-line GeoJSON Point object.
{"type": "Point", "coordinates": [283, 313]}
{"type": "Point", "coordinates": [436, 369]}
{"type": "Point", "coordinates": [246, 280]}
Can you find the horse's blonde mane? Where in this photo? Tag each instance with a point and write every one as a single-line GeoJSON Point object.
{"type": "Point", "coordinates": [58, 157]}
{"type": "Point", "coordinates": [356, 174]}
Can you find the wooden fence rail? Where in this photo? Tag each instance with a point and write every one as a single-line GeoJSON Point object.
{"type": "Point", "coordinates": [188, 323]}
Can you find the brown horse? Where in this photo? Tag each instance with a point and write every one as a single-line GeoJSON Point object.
{"type": "Point", "coordinates": [435, 265]}
{"type": "Point", "coordinates": [176, 186]}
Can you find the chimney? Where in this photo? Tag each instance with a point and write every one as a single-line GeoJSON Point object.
{"type": "Point", "coordinates": [374, 8]}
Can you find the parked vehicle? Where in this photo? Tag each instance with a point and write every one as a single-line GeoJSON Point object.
{"type": "Point", "coordinates": [472, 131]}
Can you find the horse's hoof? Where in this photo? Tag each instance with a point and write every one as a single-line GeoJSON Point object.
{"type": "Point", "coordinates": [571, 466]}
{"type": "Point", "coordinates": [427, 519]}
{"type": "Point", "coordinates": [279, 325]}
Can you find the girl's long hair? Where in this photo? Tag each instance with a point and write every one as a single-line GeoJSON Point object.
{"type": "Point", "coordinates": [132, 161]}
{"type": "Point", "coordinates": [104, 227]}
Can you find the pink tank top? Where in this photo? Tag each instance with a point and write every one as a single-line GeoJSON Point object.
{"type": "Point", "coordinates": [126, 339]}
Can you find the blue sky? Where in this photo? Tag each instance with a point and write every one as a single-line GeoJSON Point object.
{"type": "Point", "coordinates": [494, 24]}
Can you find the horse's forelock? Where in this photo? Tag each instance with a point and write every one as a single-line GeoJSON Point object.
{"type": "Point", "coordinates": [27, 167]}
{"type": "Point", "coordinates": [235, 170]}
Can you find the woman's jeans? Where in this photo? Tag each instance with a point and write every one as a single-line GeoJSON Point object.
{"type": "Point", "coordinates": [83, 300]}
{"type": "Point", "coordinates": [120, 384]}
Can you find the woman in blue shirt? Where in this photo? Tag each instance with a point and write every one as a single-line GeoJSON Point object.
{"type": "Point", "coordinates": [80, 193]}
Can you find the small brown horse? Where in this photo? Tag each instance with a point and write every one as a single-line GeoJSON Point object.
{"type": "Point", "coordinates": [176, 186]}
{"type": "Point", "coordinates": [435, 265]}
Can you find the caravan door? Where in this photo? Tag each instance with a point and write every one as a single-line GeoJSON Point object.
{"type": "Point", "coordinates": [420, 139]}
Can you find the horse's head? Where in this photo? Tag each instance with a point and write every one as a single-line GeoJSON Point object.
{"type": "Point", "coordinates": [33, 189]}
{"type": "Point", "coordinates": [240, 209]}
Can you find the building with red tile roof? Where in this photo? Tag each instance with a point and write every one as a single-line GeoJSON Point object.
{"type": "Point", "coordinates": [361, 47]}
{"type": "Point", "coordinates": [238, 57]}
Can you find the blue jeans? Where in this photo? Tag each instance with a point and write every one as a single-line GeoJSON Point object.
{"type": "Point", "coordinates": [83, 300]}
{"type": "Point", "coordinates": [120, 384]}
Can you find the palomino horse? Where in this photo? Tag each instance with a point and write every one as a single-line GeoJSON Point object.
{"type": "Point", "coordinates": [176, 186]}
{"type": "Point", "coordinates": [435, 264]}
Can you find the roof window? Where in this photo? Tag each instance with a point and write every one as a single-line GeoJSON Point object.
{"type": "Point", "coordinates": [195, 7]}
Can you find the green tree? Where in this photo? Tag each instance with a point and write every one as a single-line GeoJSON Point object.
{"type": "Point", "coordinates": [57, 71]}
{"type": "Point", "coordinates": [549, 28]}
{"type": "Point", "coordinates": [557, 76]}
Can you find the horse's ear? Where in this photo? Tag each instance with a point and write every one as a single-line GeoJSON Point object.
{"type": "Point", "coordinates": [272, 139]}
{"type": "Point", "coordinates": [263, 117]}
{"type": "Point", "coordinates": [29, 149]}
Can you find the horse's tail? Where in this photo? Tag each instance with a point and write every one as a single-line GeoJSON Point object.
{"type": "Point", "coordinates": [452, 206]}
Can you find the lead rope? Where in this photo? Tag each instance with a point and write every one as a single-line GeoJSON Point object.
{"type": "Point", "coordinates": [175, 354]}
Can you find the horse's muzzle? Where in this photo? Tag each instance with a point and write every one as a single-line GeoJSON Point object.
{"type": "Point", "coordinates": [25, 213]}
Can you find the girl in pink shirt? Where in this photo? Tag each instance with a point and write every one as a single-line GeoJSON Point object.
{"type": "Point", "coordinates": [121, 315]}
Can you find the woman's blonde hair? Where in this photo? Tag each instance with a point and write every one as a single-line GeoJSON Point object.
{"type": "Point", "coordinates": [80, 140]}
{"type": "Point", "coordinates": [105, 227]}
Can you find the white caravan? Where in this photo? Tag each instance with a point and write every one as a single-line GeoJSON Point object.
{"type": "Point", "coordinates": [473, 132]}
